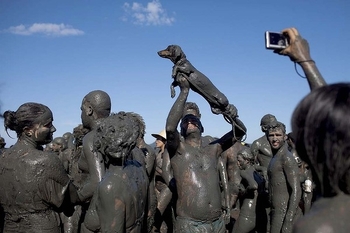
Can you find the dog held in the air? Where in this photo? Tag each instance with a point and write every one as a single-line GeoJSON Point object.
{"type": "Point", "coordinates": [198, 81]}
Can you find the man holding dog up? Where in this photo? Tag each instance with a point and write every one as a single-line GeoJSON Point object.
{"type": "Point", "coordinates": [195, 168]}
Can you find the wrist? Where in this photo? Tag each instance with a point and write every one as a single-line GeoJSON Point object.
{"type": "Point", "coordinates": [305, 61]}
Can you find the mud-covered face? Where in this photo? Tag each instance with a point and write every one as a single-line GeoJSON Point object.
{"type": "Point", "coordinates": [191, 123]}
{"type": "Point", "coordinates": [84, 115]}
{"type": "Point", "coordinates": [42, 132]}
{"type": "Point", "coordinates": [242, 163]}
{"type": "Point", "coordinates": [276, 138]}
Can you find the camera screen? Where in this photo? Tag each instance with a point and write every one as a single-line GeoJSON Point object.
{"type": "Point", "coordinates": [277, 39]}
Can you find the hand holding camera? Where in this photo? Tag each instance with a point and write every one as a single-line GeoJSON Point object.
{"type": "Point", "coordinates": [296, 47]}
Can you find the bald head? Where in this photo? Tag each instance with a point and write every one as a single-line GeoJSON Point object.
{"type": "Point", "coordinates": [100, 102]}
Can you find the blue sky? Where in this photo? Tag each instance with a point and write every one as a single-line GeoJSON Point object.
{"type": "Point", "coordinates": [55, 52]}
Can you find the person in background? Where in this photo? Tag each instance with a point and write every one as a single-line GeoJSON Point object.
{"type": "Point", "coordinates": [284, 182]}
{"type": "Point", "coordinates": [252, 216]}
{"type": "Point", "coordinates": [163, 217]}
{"type": "Point", "coordinates": [148, 157]}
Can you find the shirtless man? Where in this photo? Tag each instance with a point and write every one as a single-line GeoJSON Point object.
{"type": "Point", "coordinates": [96, 105]}
{"type": "Point", "coordinates": [195, 169]}
{"type": "Point", "coordinates": [284, 181]}
{"type": "Point", "coordinates": [261, 147]}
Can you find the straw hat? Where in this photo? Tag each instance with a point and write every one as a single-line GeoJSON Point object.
{"type": "Point", "coordinates": [162, 134]}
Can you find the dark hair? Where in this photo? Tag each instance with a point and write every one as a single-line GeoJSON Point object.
{"type": "Point", "coordinates": [60, 141]}
{"type": "Point", "coordinates": [267, 119]}
{"type": "Point", "coordinates": [322, 137]}
{"type": "Point", "coordinates": [191, 106]}
{"type": "Point", "coordinates": [117, 130]}
{"type": "Point", "coordinates": [276, 125]}
{"type": "Point", "coordinates": [25, 116]}
{"type": "Point", "coordinates": [78, 133]}
{"type": "Point", "coordinates": [100, 101]}
{"type": "Point", "coordinates": [291, 136]}
{"type": "Point", "coordinates": [246, 154]}
{"type": "Point", "coordinates": [141, 123]}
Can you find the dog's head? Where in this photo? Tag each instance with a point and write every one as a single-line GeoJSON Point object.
{"type": "Point", "coordinates": [172, 52]}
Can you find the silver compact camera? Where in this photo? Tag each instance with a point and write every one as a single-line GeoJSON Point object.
{"type": "Point", "coordinates": [275, 40]}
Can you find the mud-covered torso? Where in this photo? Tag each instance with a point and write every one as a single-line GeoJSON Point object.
{"type": "Point", "coordinates": [130, 187]}
{"type": "Point", "coordinates": [262, 150]}
{"type": "Point", "coordinates": [277, 178]}
{"type": "Point", "coordinates": [197, 182]}
{"type": "Point", "coordinates": [32, 182]}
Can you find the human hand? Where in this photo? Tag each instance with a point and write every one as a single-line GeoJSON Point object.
{"type": "Point", "coordinates": [231, 111]}
{"type": "Point", "coordinates": [227, 215]}
{"type": "Point", "coordinates": [298, 49]}
{"type": "Point", "coordinates": [183, 82]}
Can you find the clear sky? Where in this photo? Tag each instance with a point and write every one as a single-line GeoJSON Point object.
{"type": "Point", "coordinates": [55, 52]}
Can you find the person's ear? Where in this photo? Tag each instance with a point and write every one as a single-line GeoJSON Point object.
{"type": "Point", "coordinates": [89, 110]}
{"type": "Point", "coordinates": [285, 137]}
{"type": "Point", "coordinates": [28, 132]}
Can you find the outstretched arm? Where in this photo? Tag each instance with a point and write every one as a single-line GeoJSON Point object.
{"type": "Point", "coordinates": [174, 117]}
{"type": "Point", "coordinates": [298, 51]}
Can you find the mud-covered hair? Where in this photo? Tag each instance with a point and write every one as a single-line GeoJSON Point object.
{"type": "Point", "coordinates": [321, 126]}
{"type": "Point", "coordinates": [26, 116]}
{"type": "Point", "coordinates": [190, 107]}
{"type": "Point", "coordinates": [119, 130]}
{"type": "Point", "coordinates": [276, 125]}
{"type": "Point", "coordinates": [141, 122]}
{"type": "Point", "coordinates": [60, 141]}
{"type": "Point", "coordinates": [246, 154]}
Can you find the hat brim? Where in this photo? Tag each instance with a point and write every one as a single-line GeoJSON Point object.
{"type": "Point", "coordinates": [157, 136]}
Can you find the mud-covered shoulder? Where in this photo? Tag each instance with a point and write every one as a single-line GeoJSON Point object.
{"type": "Point", "coordinates": [52, 167]}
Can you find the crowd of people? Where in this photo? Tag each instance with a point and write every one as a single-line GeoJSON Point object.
{"type": "Point", "coordinates": [103, 177]}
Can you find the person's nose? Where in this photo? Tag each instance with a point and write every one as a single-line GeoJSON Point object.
{"type": "Point", "coordinates": [53, 129]}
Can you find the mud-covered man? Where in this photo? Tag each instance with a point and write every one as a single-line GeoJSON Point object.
{"type": "Point", "coordinates": [195, 169]}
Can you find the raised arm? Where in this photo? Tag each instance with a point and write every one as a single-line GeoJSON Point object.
{"type": "Point", "coordinates": [298, 51]}
{"type": "Point", "coordinates": [174, 117]}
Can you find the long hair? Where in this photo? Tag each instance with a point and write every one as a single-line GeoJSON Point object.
{"type": "Point", "coordinates": [322, 137]}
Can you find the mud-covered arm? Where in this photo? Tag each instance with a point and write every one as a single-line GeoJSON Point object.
{"type": "Point", "coordinates": [167, 173]}
{"type": "Point", "coordinates": [298, 51]}
{"type": "Point", "coordinates": [291, 172]}
{"type": "Point", "coordinates": [96, 169]}
{"type": "Point", "coordinates": [174, 117]}
{"type": "Point", "coordinates": [92, 220]}
{"type": "Point", "coordinates": [224, 184]}
{"type": "Point", "coordinates": [249, 178]}
{"type": "Point", "coordinates": [233, 173]}
{"type": "Point", "coordinates": [150, 160]}
{"type": "Point", "coordinates": [57, 188]}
